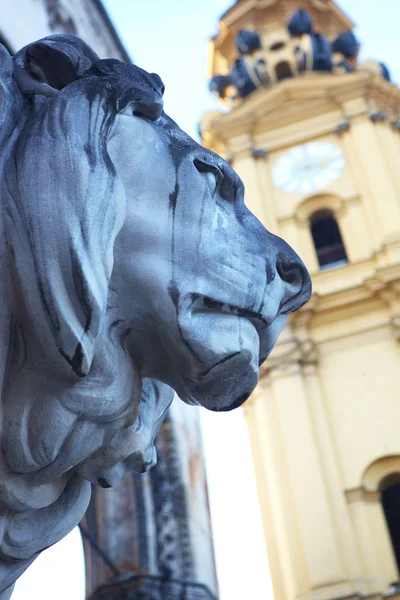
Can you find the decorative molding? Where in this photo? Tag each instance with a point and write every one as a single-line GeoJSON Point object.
{"type": "Point", "coordinates": [378, 117]}
{"type": "Point", "coordinates": [319, 202]}
{"type": "Point", "coordinates": [289, 358]}
{"type": "Point", "coordinates": [379, 470]}
{"type": "Point", "coordinates": [343, 127]}
{"type": "Point", "coordinates": [280, 112]}
{"type": "Point", "coordinates": [361, 494]}
{"type": "Point", "coordinates": [353, 291]}
{"type": "Point", "coordinates": [174, 548]}
{"type": "Point", "coordinates": [259, 152]}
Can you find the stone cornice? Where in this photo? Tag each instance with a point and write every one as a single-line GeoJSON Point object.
{"type": "Point", "coordinates": [303, 98]}
{"type": "Point", "coordinates": [361, 494]}
{"type": "Point", "coordinates": [380, 289]}
{"type": "Point", "coordinates": [299, 352]}
{"type": "Point", "coordinates": [289, 358]}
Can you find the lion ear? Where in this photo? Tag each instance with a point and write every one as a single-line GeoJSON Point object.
{"type": "Point", "coordinates": [47, 66]}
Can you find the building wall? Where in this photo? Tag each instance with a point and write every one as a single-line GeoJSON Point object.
{"type": "Point", "coordinates": [30, 20]}
{"type": "Point", "coordinates": [323, 419]}
{"type": "Point", "coordinates": [329, 403]}
{"type": "Point", "coordinates": [361, 379]}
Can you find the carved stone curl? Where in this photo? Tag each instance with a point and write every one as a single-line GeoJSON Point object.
{"type": "Point", "coordinates": [130, 267]}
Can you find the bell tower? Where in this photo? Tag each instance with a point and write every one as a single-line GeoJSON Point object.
{"type": "Point", "coordinates": [315, 135]}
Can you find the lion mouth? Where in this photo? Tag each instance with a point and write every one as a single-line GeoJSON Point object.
{"type": "Point", "coordinates": [228, 342]}
{"type": "Point", "coordinates": [266, 334]}
{"type": "Point", "coordinates": [207, 304]}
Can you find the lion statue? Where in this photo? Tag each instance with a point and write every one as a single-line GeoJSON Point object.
{"type": "Point", "coordinates": [130, 268]}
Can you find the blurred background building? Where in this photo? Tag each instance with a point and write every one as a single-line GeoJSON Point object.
{"type": "Point", "coordinates": [30, 20]}
{"type": "Point", "coordinates": [314, 134]}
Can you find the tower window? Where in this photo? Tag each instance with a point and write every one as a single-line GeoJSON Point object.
{"type": "Point", "coordinates": [390, 497]}
{"type": "Point", "coordinates": [283, 71]}
{"type": "Point", "coordinates": [277, 46]}
{"type": "Point", "coordinates": [327, 240]}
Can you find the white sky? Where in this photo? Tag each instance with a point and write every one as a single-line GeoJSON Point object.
{"type": "Point", "coordinates": [240, 553]}
{"type": "Point", "coordinates": [170, 37]}
{"type": "Point", "coordinates": [58, 573]}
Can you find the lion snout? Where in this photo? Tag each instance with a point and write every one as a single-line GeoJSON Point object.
{"type": "Point", "coordinates": [297, 283]}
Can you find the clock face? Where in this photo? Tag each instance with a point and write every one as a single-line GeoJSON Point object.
{"type": "Point", "coordinates": [308, 168]}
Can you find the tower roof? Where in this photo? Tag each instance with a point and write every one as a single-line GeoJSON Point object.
{"type": "Point", "coordinates": [259, 43]}
{"type": "Point", "coordinates": [269, 14]}
{"type": "Point", "coordinates": [323, 7]}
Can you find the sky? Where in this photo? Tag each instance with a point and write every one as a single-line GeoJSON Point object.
{"type": "Point", "coordinates": [42, 580]}
{"type": "Point", "coordinates": [169, 37]}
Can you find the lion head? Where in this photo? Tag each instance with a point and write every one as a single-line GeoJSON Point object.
{"type": "Point", "coordinates": [134, 269]}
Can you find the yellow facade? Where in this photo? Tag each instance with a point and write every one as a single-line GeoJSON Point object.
{"type": "Point", "coordinates": [324, 420]}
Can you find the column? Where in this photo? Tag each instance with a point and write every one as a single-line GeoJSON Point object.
{"type": "Point", "coordinates": [341, 522]}
{"type": "Point", "coordinates": [258, 193]}
{"type": "Point", "coordinates": [353, 159]}
{"type": "Point", "coordinates": [377, 559]}
{"type": "Point", "coordinates": [306, 473]}
{"type": "Point", "coordinates": [378, 183]}
{"type": "Point", "coordinates": [285, 551]}
{"type": "Point", "coordinates": [390, 148]}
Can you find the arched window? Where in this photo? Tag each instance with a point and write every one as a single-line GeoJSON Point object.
{"type": "Point", "coordinates": [283, 71]}
{"type": "Point", "coordinates": [327, 240]}
{"type": "Point", "coordinates": [390, 497]}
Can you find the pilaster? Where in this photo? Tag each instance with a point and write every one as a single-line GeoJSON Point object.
{"type": "Point", "coordinates": [249, 169]}
{"type": "Point", "coordinates": [375, 173]}
{"type": "Point", "coordinates": [299, 479]}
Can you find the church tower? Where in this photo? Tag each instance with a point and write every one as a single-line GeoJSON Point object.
{"type": "Point", "coordinates": [314, 134]}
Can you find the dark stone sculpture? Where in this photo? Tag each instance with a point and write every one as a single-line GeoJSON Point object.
{"type": "Point", "coordinates": [247, 41]}
{"type": "Point", "coordinates": [346, 46]}
{"type": "Point", "coordinates": [130, 267]}
{"type": "Point", "coordinates": [300, 23]}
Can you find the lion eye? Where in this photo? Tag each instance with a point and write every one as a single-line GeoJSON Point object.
{"type": "Point", "coordinates": [212, 174]}
{"type": "Point", "coordinates": [211, 182]}
{"type": "Point", "coordinates": [146, 109]}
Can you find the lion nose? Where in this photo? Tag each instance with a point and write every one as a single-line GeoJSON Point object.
{"type": "Point", "coordinates": [296, 279]}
